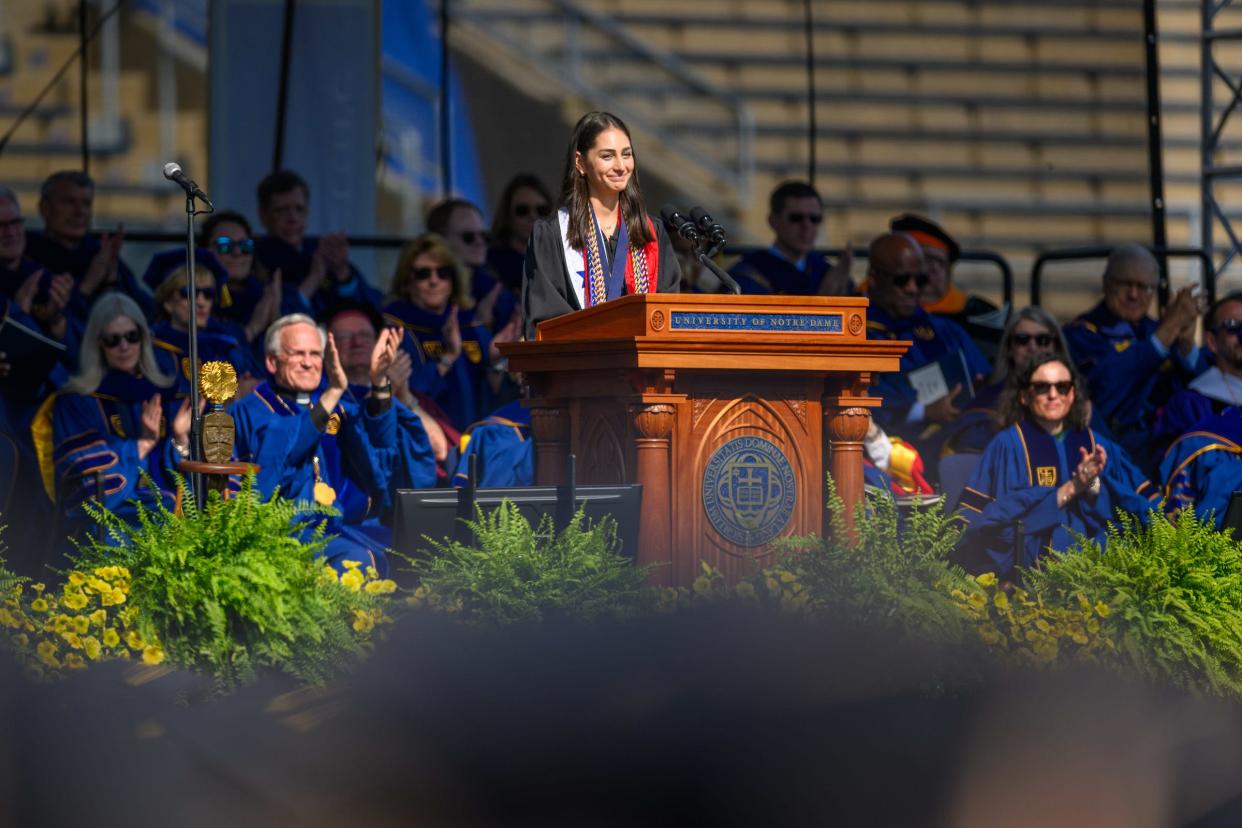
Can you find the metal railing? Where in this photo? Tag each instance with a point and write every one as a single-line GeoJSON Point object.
{"type": "Point", "coordinates": [568, 64]}
{"type": "Point", "coordinates": [1103, 252]}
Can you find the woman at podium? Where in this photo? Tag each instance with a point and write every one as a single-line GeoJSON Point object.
{"type": "Point", "coordinates": [600, 244]}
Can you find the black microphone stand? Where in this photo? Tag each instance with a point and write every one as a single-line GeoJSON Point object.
{"type": "Point", "coordinates": [196, 417]}
{"type": "Point", "coordinates": [705, 258]}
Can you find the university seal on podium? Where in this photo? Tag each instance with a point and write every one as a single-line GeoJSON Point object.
{"type": "Point", "coordinates": [749, 491]}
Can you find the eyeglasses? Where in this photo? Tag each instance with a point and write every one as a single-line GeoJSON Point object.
{"type": "Point", "coordinates": [1143, 288]}
{"type": "Point", "coordinates": [798, 218]}
{"type": "Point", "coordinates": [1042, 340]}
{"type": "Point", "coordinates": [1229, 326]}
{"type": "Point", "coordinates": [1041, 389]}
{"type": "Point", "coordinates": [900, 280]}
{"type": "Point", "coordinates": [472, 236]}
{"type": "Point", "coordinates": [226, 245]}
{"type": "Point", "coordinates": [445, 272]}
{"type": "Point", "coordinates": [208, 293]}
{"type": "Point", "coordinates": [112, 340]}
{"type": "Point", "coordinates": [524, 210]}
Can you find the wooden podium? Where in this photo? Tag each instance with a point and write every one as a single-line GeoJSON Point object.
{"type": "Point", "coordinates": [727, 409]}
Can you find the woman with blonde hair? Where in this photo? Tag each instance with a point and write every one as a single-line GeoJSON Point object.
{"type": "Point", "coordinates": [114, 429]}
{"type": "Point", "coordinates": [456, 362]}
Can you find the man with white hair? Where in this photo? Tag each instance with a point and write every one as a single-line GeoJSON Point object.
{"type": "Point", "coordinates": [1133, 363]}
{"type": "Point", "coordinates": [314, 443]}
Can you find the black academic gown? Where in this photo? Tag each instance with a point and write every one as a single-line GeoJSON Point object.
{"type": "Point", "coordinates": [547, 291]}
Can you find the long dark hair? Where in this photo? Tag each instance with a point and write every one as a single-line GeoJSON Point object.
{"type": "Point", "coordinates": [502, 221]}
{"type": "Point", "coordinates": [1010, 408]}
{"type": "Point", "coordinates": [576, 196]}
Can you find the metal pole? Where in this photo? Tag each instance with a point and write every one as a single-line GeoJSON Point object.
{"type": "Point", "coordinates": [1155, 146]}
{"type": "Point", "coordinates": [1206, 144]}
{"type": "Point", "coordinates": [282, 94]}
{"type": "Point", "coordinates": [446, 151]}
{"type": "Point", "coordinates": [83, 107]}
{"type": "Point", "coordinates": [196, 420]}
{"type": "Point", "coordinates": [812, 127]}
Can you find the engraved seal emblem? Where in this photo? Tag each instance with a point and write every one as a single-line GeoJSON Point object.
{"type": "Point", "coordinates": [749, 491]}
{"type": "Point", "coordinates": [657, 321]}
{"type": "Point", "coordinates": [856, 324]}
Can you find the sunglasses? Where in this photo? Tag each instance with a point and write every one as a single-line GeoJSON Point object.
{"type": "Point", "coordinates": [225, 246]}
{"type": "Point", "coordinates": [110, 341]}
{"type": "Point", "coordinates": [524, 210]}
{"type": "Point", "coordinates": [798, 218]}
{"type": "Point", "coordinates": [207, 293]}
{"type": "Point", "coordinates": [900, 280]}
{"type": "Point", "coordinates": [445, 272]}
{"type": "Point", "coordinates": [472, 236]}
{"type": "Point", "coordinates": [1042, 340]}
{"type": "Point", "coordinates": [1041, 389]}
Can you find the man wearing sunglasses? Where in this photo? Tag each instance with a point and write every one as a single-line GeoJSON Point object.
{"type": "Point", "coordinates": [1203, 466]}
{"type": "Point", "coordinates": [897, 276]}
{"type": "Point", "coordinates": [790, 265]}
{"type": "Point", "coordinates": [460, 223]}
{"type": "Point", "coordinates": [1133, 363]}
{"type": "Point", "coordinates": [315, 270]}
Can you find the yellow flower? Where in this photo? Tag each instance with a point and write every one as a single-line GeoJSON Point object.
{"type": "Point", "coordinates": [152, 655]}
{"type": "Point", "coordinates": [92, 647]}
{"type": "Point", "coordinates": [420, 596]}
{"type": "Point", "coordinates": [39, 605]}
{"type": "Point", "coordinates": [1102, 609]}
{"type": "Point", "coordinates": [62, 623]}
{"type": "Point", "coordinates": [21, 640]}
{"type": "Point", "coordinates": [702, 584]}
{"type": "Point", "coordinates": [81, 624]}
{"type": "Point", "coordinates": [75, 600]}
{"type": "Point", "coordinates": [987, 579]}
{"type": "Point", "coordinates": [134, 640]}
{"type": "Point", "coordinates": [99, 617]}
{"type": "Point", "coordinates": [958, 595]}
{"type": "Point", "coordinates": [372, 572]}
{"type": "Point", "coordinates": [787, 577]}
{"type": "Point", "coordinates": [8, 619]}
{"type": "Point", "coordinates": [977, 600]}
{"type": "Point", "coordinates": [1001, 600]}
{"type": "Point", "coordinates": [352, 564]}
{"type": "Point", "coordinates": [111, 637]}
{"type": "Point", "coordinates": [362, 621]}
{"type": "Point", "coordinates": [353, 578]}
{"type": "Point", "coordinates": [328, 573]}
{"type": "Point", "coordinates": [74, 661]}
{"type": "Point", "coordinates": [72, 639]}
{"type": "Point", "coordinates": [38, 588]}
{"type": "Point", "coordinates": [118, 596]}
{"type": "Point", "coordinates": [46, 652]}
{"type": "Point", "coordinates": [381, 587]}
{"type": "Point", "coordinates": [77, 579]}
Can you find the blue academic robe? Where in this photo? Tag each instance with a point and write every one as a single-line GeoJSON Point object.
{"type": "Point", "coordinates": [931, 338]}
{"type": "Point", "coordinates": [763, 272]}
{"type": "Point", "coordinates": [463, 392]}
{"type": "Point", "coordinates": [1017, 479]}
{"type": "Point", "coordinates": [1203, 467]}
{"type": "Point", "coordinates": [503, 446]}
{"type": "Point", "coordinates": [294, 263]}
{"type": "Point", "coordinates": [508, 265]}
{"type": "Point", "coordinates": [481, 283]}
{"type": "Point", "coordinates": [1128, 377]}
{"type": "Point", "coordinates": [59, 259]}
{"type": "Point", "coordinates": [94, 440]}
{"type": "Point", "coordinates": [360, 455]}
{"type": "Point", "coordinates": [1186, 409]}
{"type": "Point", "coordinates": [215, 344]}
{"type": "Point", "coordinates": [12, 278]}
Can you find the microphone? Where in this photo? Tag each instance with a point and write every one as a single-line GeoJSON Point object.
{"type": "Point", "coordinates": [172, 171]}
{"type": "Point", "coordinates": [676, 221]}
{"type": "Point", "coordinates": [708, 226]}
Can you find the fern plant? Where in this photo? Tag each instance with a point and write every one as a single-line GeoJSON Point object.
{"type": "Point", "coordinates": [897, 576]}
{"type": "Point", "coordinates": [231, 590]}
{"type": "Point", "coordinates": [1173, 592]}
{"type": "Point", "coordinates": [520, 573]}
{"type": "Point", "coordinates": [8, 579]}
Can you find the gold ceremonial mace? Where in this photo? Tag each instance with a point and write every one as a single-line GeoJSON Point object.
{"type": "Point", "coordinates": [218, 382]}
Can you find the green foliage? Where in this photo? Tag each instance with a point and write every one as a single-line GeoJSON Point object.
{"type": "Point", "coordinates": [8, 579]}
{"type": "Point", "coordinates": [1173, 592]}
{"type": "Point", "coordinates": [522, 573]}
{"type": "Point", "coordinates": [230, 589]}
{"type": "Point", "coordinates": [896, 577]}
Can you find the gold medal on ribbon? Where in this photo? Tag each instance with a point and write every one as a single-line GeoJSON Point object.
{"type": "Point", "coordinates": [325, 495]}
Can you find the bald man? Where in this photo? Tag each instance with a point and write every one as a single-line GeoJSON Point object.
{"type": "Point", "coordinates": [897, 278]}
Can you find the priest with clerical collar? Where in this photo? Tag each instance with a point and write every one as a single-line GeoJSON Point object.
{"type": "Point", "coordinates": [313, 444]}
